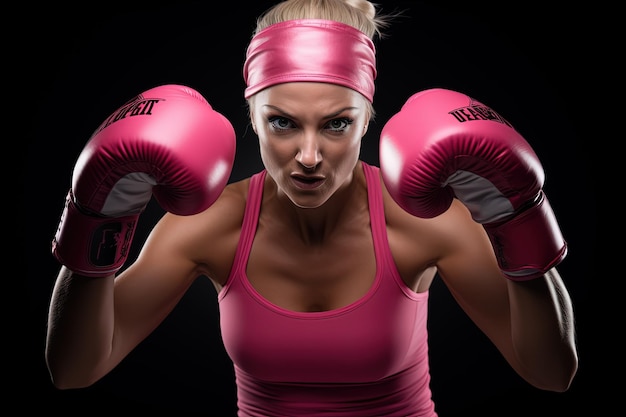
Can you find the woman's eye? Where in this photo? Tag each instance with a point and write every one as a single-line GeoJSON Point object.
{"type": "Point", "coordinates": [339, 125]}
{"type": "Point", "coordinates": [280, 123]}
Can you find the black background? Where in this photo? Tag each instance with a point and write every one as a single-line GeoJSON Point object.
{"type": "Point", "coordinates": [524, 60]}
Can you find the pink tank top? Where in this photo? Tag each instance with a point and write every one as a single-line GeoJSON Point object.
{"type": "Point", "coordinates": [369, 358]}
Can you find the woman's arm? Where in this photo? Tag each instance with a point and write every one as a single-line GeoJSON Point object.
{"type": "Point", "coordinates": [94, 323]}
{"type": "Point", "coordinates": [530, 322]}
{"type": "Point", "coordinates": [543, 331]}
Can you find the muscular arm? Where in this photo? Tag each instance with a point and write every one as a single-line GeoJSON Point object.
{"type": "Point", "coordinates": [76, 349]}
{"type": "Point", "coordinates": [498, 256]}
{"type": "Point", "coordinates": [543, 331]}
{"type": "Point", "coordinates": [530, 322]}
{"type": "Point", "coordinates": [94, 323]}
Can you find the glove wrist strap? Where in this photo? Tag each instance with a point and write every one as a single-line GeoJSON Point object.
{"type": "Point", "coordinates": [92, 246]}
{"type": "Point", "coordinates": [529, 244]}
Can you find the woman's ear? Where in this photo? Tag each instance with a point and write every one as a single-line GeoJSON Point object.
{"type": "Point", "coordinates": [366, 126]}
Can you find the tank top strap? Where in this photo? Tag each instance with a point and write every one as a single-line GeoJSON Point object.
{"type": "Point", "coordinates": [248, 228]}
{"type": "Point", "coordinates": [377, 212]}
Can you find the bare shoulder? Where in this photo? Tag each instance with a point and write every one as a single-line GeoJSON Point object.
{"type": "Point", "coordinates": [421, 245]}
{"type": "Point", "coordinates": [231, 203]}
{"type": "Point", "coordinates": [208, 239]}
{"type": "Point", "coordinates": [448, 228]}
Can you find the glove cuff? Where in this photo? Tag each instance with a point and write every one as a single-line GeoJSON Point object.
{"type": "Point", "coordinates": [90, 245]}
{"type": "Point", "coordinates": [529, 244]}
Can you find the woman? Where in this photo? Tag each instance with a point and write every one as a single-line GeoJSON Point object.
{"type": "Point", "coordinates": [322, 262]}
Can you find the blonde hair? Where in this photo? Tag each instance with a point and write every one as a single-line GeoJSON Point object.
{"type": "Point", "coordinates": [360, 14]}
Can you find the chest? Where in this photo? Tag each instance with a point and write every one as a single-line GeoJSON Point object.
{"type": "Point", "coordinates": [313, 276]}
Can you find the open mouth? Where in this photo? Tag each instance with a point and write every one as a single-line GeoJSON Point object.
{"type": "Point", "coordinates": [307, 183]}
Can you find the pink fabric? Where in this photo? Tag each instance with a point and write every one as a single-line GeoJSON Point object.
{"type": "Point", "coordinates": [313, 50]}
{"type": "Point", "coordinates": [369, 358]}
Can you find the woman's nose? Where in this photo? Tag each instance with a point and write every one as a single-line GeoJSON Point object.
{"type": "Point", "coordinates": [309, 155]}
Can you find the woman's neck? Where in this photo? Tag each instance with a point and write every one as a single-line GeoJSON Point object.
{"type": "Point", "coordinates": [315, 225]}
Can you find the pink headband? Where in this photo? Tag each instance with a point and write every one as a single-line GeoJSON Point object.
{"type": "Point", "coordinates": [310, 50]}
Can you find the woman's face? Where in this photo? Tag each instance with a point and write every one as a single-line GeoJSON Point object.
{"type": "Point", "coordinates": [310, 137]}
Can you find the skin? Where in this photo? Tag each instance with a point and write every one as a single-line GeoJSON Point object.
{"type": "Point", "coordinates": [315, 209]}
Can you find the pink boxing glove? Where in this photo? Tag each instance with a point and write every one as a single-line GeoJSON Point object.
{"type": "Point", "coordinates": [167, 142]}
{"type": "Point", "coordinates": [443, 144]}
